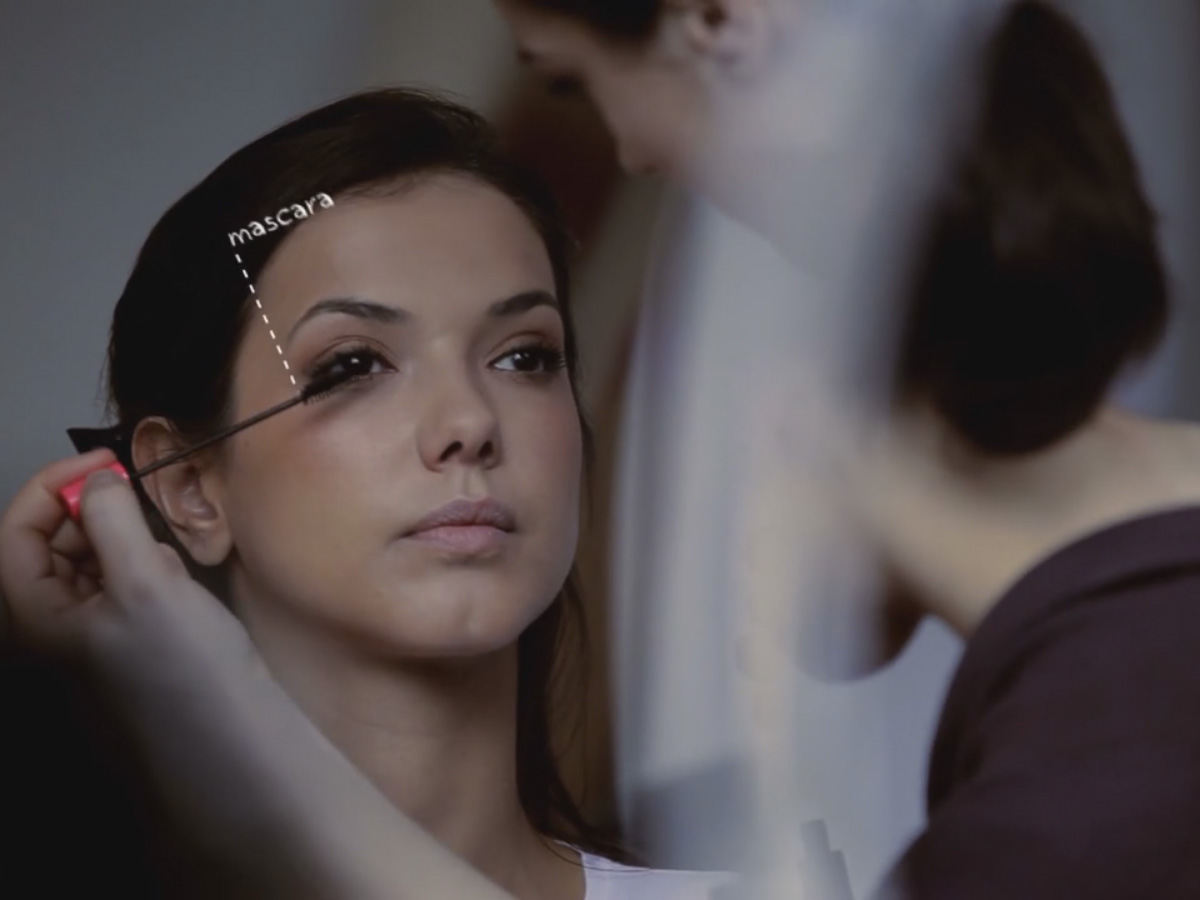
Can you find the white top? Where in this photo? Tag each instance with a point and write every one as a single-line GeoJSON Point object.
{"type": "Point", "coordinates": [608, 880]}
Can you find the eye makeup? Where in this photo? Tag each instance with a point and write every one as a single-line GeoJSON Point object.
{"type": "Point", "coordinates": [354, 359]}
{"type": "Point", "coordinates": [359, 361]}
{"type": "Point", "coordinates": [534, 358]}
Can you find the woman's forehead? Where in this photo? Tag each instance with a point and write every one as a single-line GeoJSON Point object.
{"type": "Point", "coordinates": [438, 237]}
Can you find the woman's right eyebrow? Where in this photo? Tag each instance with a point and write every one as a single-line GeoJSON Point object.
{"type": "Point", "coordinates": [352, 306]}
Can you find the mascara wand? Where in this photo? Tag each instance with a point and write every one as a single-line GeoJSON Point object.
{"type": "Point", "coordinates": [87, 438]}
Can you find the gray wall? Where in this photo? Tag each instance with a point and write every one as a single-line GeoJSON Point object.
{"type": "Point", "coordinates": [110, 112]}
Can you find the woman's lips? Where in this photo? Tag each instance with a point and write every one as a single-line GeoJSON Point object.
{"type": "Point", "coordinates": [464, 540]}
{"type": "Point", "coordinates": [465, 527]}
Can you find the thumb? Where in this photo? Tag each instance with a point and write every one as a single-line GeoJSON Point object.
{"type": "Point", "coordinates": [112, 517]}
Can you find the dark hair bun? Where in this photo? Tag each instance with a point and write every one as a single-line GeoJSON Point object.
{"type": "Point", "coordinates": [1040, 276]}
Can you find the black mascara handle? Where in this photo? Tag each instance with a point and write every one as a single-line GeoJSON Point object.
{"type": "Point", "coordinates": [120, 442]}
{"type": "Point", "coordinates": [87, 439]}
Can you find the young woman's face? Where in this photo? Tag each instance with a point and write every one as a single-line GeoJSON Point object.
{"type": "Point", "coordinates": [442, 296]}
{"type": "Point", "coordinates": [650, 98]}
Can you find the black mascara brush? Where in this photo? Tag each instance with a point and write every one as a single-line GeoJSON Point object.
{"type": "Point", "coordinates": [86, 439]}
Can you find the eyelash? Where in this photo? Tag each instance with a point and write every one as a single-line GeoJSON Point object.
{"type": "Point", "coordinates": [328, 364]}
{"type": "Point", "coordinates": [548, 357]}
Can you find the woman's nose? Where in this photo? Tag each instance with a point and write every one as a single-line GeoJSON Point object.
{"type": "Point", "coordinates": [460, 425]}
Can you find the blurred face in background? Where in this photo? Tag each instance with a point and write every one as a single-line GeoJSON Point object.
{"type": "Point", "coordinates": [647, 95]}
{"type": "Point", "coordinates": [768, 108]}
{"type": "Point", "coordinates": [694, 100]}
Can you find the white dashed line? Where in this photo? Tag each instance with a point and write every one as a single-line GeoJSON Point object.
{"type": "Point", "coordinates": [258, 303]}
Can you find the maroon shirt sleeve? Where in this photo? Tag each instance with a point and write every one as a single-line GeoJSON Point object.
{"type": "Point", "coordinates": [1067, 760]}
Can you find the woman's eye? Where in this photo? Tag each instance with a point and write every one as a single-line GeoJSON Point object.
{"type": "Point", "coordinates": [532, 360]}
{"type": "Point", "coordinates": [356, 362]}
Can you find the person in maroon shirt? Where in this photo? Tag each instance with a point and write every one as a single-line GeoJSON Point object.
{"type": "Point", "coordinates": [1057, 532]}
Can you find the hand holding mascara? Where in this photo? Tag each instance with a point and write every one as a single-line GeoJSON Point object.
{"type": "Point", "coordinates": [86, 439]}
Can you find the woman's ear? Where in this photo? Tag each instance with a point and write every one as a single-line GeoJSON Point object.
{"type": "Point", "coordinates": [734, 35]}
{"type": "Point", "coordinates": [188, 494]}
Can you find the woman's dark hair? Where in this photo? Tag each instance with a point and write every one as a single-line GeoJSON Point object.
{"type": "Point", "coordinates": [186, 307]}
{"type": "Point", "coordinates": [629, 20]}
{"type": "Point", "coordinates": [1041, 276]}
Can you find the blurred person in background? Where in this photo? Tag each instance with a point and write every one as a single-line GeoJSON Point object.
{"type": "Point", "coordinates": [996, 232]}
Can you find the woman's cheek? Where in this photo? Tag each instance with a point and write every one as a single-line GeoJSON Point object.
{"type": "Point", "coordinates": [557, 430]}
{"type": "Point", "coordinates": [560, 462]}
{"type": "Point", "coordinates": [299, 494]}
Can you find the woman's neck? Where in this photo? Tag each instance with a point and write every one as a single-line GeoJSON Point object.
{"type": "Point", "coordinates": [959, 529]}
{"type": "Point", "coordinates": [438, 738]}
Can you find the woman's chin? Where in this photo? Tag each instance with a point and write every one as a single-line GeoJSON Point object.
{"type": "Point", "coordinates": [396, 615]}
{"type": "Point", "coordinates": [452, 624]}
